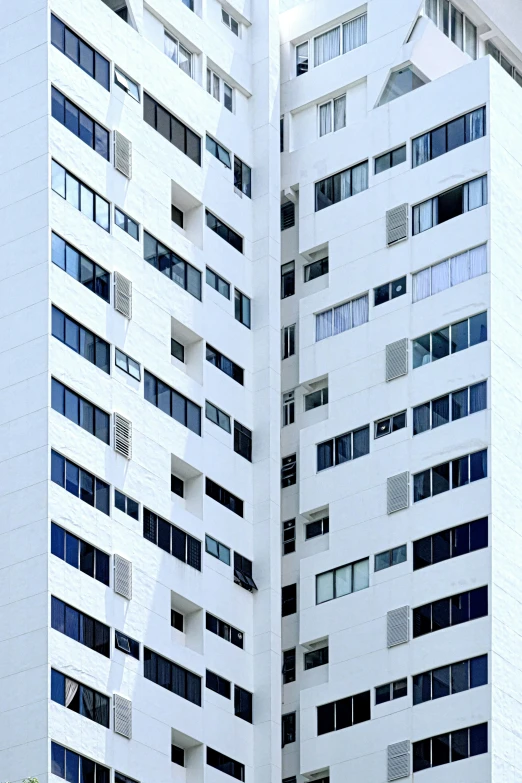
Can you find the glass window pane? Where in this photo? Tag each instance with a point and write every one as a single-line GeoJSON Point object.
{"type": "Point", "coordinates": [324, 587]}
{"type": "Point", "coordinates": [460, 472]}
{"type": "Point", "coordinates": [460, 608]}
{"type": "Point", "coordinates": [441, 682]}
{"type": "Point", "coordinates": [440, 411]}
{"type": "Point", "coordinates": [460, 677]}
{"type": "Point", "coordinates": [459, 745]}
{"type": "Point", "coordinates": [478, 671]}
{"type": "Point", "coordinates": [441, 478]}
{"type": "Point", "coordinates": [478, 329]}
{"type": "Point", "coordinates": [421, 351]}
{"type": "Point", "coordinates": [478, 465]}
{"type": "Point", "coordinates": [422, 486]}
{"type": "Point", "coordinates": [459, 336]}
{"type": "Point", "coordinates": [361, 575]}
{"type": "Point", "coordinates": [343, 581]}
{"type": "Point", "coordinates": [459, 404]}
{"type": "Point", "coordinates": [440, 344]}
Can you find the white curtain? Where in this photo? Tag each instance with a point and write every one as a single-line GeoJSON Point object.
{"type": "Point", "coordinates": [478, 261]}
{"type": "Point", "coordinates": [325, 118]}
{"type": "Point", "coordinates": [340, 112]}
{"type": "Point", "coordinates": [439, 277]}
{"type": "Point", "coordinates": [346, 182]}
{"type": "Point", "coordinates": [423, 216]}
{"type": "Point", "coordinates": [361, 575]}
{"type": "Point", "coordinates": [354, 33]}
{"type": "Point", "coordinates": [460, 268]}
{"type": "Point", "coordinates": [475, 194]}
{"type": "Point", "coordinates": [359, 178]}
{"type": "Point", "coordinates": [360, 311]}
{"type": "Point", "coordinates": [185, 60]}
{"type": "Point", "coordinates": [471, 39]}
{"type": "Point", "coordinates": [475, 125]}
{"type": "Point", "coordinates": [478, 397]}
{"type": "Point", "coordinates": [327, 46]}
{"type": "Point", "coordinates": [343, 581]}
{"type": "Point", "coordinates": [171, 48]}
{"type": "Point", "coordinates": [342, 318]}
{"type": "Point", "coordinates": [422, 284]}
{"type": "Point", "coordinates": [324, 587]}
{"type": "Point", "coordinates": [71, 688]}
{"type": "Point", "coordinates": [430, 9]}
{"type": "Point", "coordinates": [421, 150]}
{"type": "Point", "coordinates": [323, 325]}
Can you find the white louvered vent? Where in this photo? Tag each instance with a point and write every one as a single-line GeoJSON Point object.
{"type": "Point", "coordinates": [122, 716]}
{"type": "Point", "coordinates": [397, 359]}
{"type": "Point", "coordinates": [398, 626]}
{"type": "Point", "coordinates": [122, 576]}
{"type": "Point", "coordinates": [122, 436]}
{"type": "Point", "coordinates": [398, 492]}
{"type": "Point", "coordinates": [122, 295]}
{"type": "Point", "coordinates": [122, 154]}
{"type": "Point", "coordinates": [397, 224]}
{"type": "Point", "coordinates": [399, 760]}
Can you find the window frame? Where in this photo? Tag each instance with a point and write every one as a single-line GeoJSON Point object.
{"type": "Point", "coordinates": [118, 353]}
{"type": "Point", "coordinates": [224, 231]}
{"type": "Point", "coordinates": [98, 272]}
{"type": "Point", "coordinates": [82, 189]}
{"type": "Point", "coordinates": [453, 467]}
{"type": "Point", "coordinates": [220, 413]}
{"type": "Point", "coordinates": [96, 126]}
{"type": "Point", "coordinates": [394, 427]}
{"type": "Point", "coordinates": [333, 572]}
{"type": "Point", "coordinates": [390, 155]}
{"type": "Point", "coordinates": [434, 202]}
{"type": "Point", "coordinates": [120, 84]}
{"type": "Point", "coordinates": [130, 226]}
{"type": "Point", "coordinates": [226, 559]}
{"type": "Point", "coordinates": [155, 391]}
{"type": "Point", "coordinates": [310, 42]}
{"type": "Point", "coordinates": [450, 340]}
{"type": "Point", "coordinates": [334, 183]}
{"type": "Point", "coordinates": [187, 53]}
{"type": "Point", "coordinates": [98, 60]}
{"type": "Point", "coordinates": [150, 107]}
{"type": "Point", "coordinates": [466, 119]}
{"type": "Point", "coordinates": [337, 447]}
{"type": "Point", "coordinates": [190, 279]}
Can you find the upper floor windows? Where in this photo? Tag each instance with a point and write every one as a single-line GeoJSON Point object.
{"type": "Point", "coordinates": [343, 448]}
{"type": "Point", "coordinates": [224, 231]}
{"type": "Point", "coordinates": [81, 268]}
{"type": "Point", "coordinates": [243, 441]}
{"type": "Point", "coordinates": [80, 196]}
{"type": "Point", "coordinates": [342, 581]}
{"type": "Point", "coordinates": [288, 471]}
{"type": "Point", "coordinates": [243, 572]}
{"type": "Point", "coordinates": [226, 365]}
{"type": "Point", "coordinates": [79, 123]}
{"type": "Point", "coordinates": [448, 137]}
{"type": "Point", "coordinates": [218, 151]}
{"type": "Point", "coordinates": [288, 600]}
{"type": "Point", "coordinates": [224, 630]}
{"type": "Point", "coordinates": [171, 539]}
{"type": "Point", "coordinates": [452, 542]}
{"type": "Point", "coordinates": [66, 764]}
{"type": "Point", "coordinates": [230, 22]}
{"type": "Point", "coordinates": [80, 699]}
{"type": "Point", "coordinates": [288, 278]}
{"type": "Point", "coordinates": [172, 403]}
{"type": "Point", "coordinates": [127, 505]}
{"type": "Point", "coordinates": [242, 177]}
{"type": "Point", "coordinates": [452, 746]}
{"type": "Point", "coordinates": [450, 407]}
{"type": "Point", "coordinates": [81, 340]}
{"type": "Point", "coordinates": [319, 527]}
{"type": "Point", "coordinates": [451, 339]}
{"type": "Point", "coordinates": [80, 482]}
{"type": "Point", "coordinates": [391, 557]}
{"type": "Point", "coordinates": [301, 58]}
{"type": "Point", "coordinates": [332, 115]}
{"type": "Point", "coordinates": [288, 341]}
{"type": "Point", "coordinates": [450, 475]}
{"type": "Point", "coordinates": [220, 90]}
{"type": "Point", "coordinates": [217, 416]}
{"type": "Point", "coordinates": [450, 679]}
{"type": "Point", "coordinates": [80, 554]}
{"type": "Point", "coordinates": [172, 676]}
{"type": "Point", "coordinates": [178, 53]}
{"type": "Point", "coordinates": [316, 269]}
{"type": "Point", "coordinates": [172, 129]}
{"type": "Point", "coordinates": [288, 408]}
{"type": "Point", "coordinates": [224, 497]}
{"type": "Point", "coordinates": [218, 284]}
{"type": "Point", "coordinates": [217, 549]}
{"type": "Point", "coordinates": [400, 83]}
{"type": "Point", "coordinates": [451, 272]}
{"type": "Point", "coordinates": [128, 365]}
{"type": "Point", "coordinates": [344, 713]}
{"type": "Point", "coordinates": [384, 293]}
{"type": "Point", "coordinates": [126, 224]}
{"type": "Point", "coordinates": [126, 84]}
{"type": "Point", "coordinates": [225, 764]}
{"type": "Point", "coordinates": [390, 159]}
{"type": "Point", "coordinates": [316, 398]}
{"type": "Point", "coordinates": [340, 186]}
{"type": "Point", "coordinates": [287, 215]}
{"type": "Point", "coordinates": [89, 60]}
{"type": "Point", "coordinates": [339, 40]}
{"type": "Point", "coordinates": [504, 62]}
{"type": "Point", "coordinates": [242, 308]}
{"type": "Point", "coordinates": [80, 411]}
{"type": "Point", "coordinates": [170, 264]}
{"type": "Point", "coordinates": [454, 24]}
{"type": "Point", "coordinates": [450, 204]}
{"type": "Point", "coordinates": [341, 318]}
{"type": "Point", "coordinates": [446, 612]}
{"type": "Point", "coordinates": [80, 627]}
{"type": "Point", "coordinates": [126, 645]}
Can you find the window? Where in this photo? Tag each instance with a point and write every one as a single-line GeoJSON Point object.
{"type": "Point", "coordinates": [318, 527]}
{"type": "Point", "coordinates": [226, 365]}
{"type": "Point", "coordinates": [504, 62]}
{"type": "Point", "coordinates": [288, 341]}
{"type": "Point", "coordinates": [177, 350]}
{"type": "Point", "coordinates": [172, 403]}
{"type": "Point", "coordinates": [390, 424]}
{"type": "Point", "coordinates": [242, 441]}
{"type": "Point", "coordinates": [79, 51]}
{"type": "Point", "coordinates": [391, 691]}
{"type": "Point", "coordinates": [80, 483]}
{"type": "Point", "coordinates": [94, 277]}
{"type": "Point", "coordinates": [445, 138]}
{"type": "Point", "coordinates": [79, 698]}
{"type": "Point", "coordinates": [80, 196]}
{"type": "Point", "coordinates": [119, 778]}
{"type": "Point", "coordinates": [177, 485]}
{"type": "Point", "coordinates": [172, 129]}
{"type": "Point", "coordinates": [80, 627]}
{"type": "Point", "coordinates": [450, 475]}
{"type": "Point", "coordinates": [452, 542]}
{"type": "Point", "coordinates": [230, 22]}
{"type": "Point", "coordinates": [219, 152]}
{"type": "Point", "coordinates": [450, 339]}
{"type": "Point", "coordinates": [242, 307]}
{"type": "Point", "coordinates": [242, 177]}
{"type": "Point", "coordinates": [341, 318]}
{"type": "Point", "coordinates": [288, 279]}
{"type": "Point", "coordinates": [288, 408]}
{"type": "Point", "coordinates": [126, 84]}
{"type": "Point", "coordinates": [316, 269]}
{"type": "Point", "coordinates": [217, 550]}
{"type": "Point", "coordinates": [449, 747]}
{"type": "Point", "coordinates": [170, 264]}
{"type": "Point", "coordinates": [450, 204]}
{"type": "Point", "coordinates": [287, 729]}
{"type": "Point", "coordinates": [340, 186]}
{"type": "Point", "coordinates": [316, 658]}
{"type": "Point", "coordinates": [177, 620]}
{"type": "Point", "coordinates": [450, 407]}
{"type": "Point", "coordinates": [127, 645]}
{"type": "Point", "coordinates": [171, 539]}
{"type": "Point", "coordinates": [66, 763]}
{"type": "Point", "coordinates": [454, 610]}
{"type": "Point", "coordinates": [81, 340]}
{"type": "Point", "coordinates": [344, 713]}
{"type": "Point", "coordinates": [450, 679]}
{"type": "Point", "coordinates": [178, 53]}
{"type": "Point", "coordinates": [128, 365]}
{"type": "Point", "coordinates": [177, 755]}
{"type": "Point", "coordinates": [79, 554]}
{"type": "Point", "coordinates": [289, 600]}
{"type": "Point", "coordinates": [391, 557]}
{"type": "Point", "coordinates": [126, 223]}
{"type": "Point", "coordinates": [400, 83]}
{"type": "Point", "coordinates": [176, 215]}
{"type": "Point", "coordinates": [225, 764]}
{"type": "Point", "coordinates": [454, 24]}
{"type": "Point", "coordinates": [452, 271]}
{"type": "Point", "coordinates": [287, 215]}
{"type": "Point", "coordinates": [384, 293]}
{"type": "Point", "coordinates": [217, 684]}
{"type": "Point", "coordinates": [225, 232]}
{"type": "Point", "coordinates": [328, 45]}
{"type": "Point", "coordinates": [243, 572]}
{"type": "Point", "coordinates": [342, 581]}
{"type": "Point", "coordinates": [224, 630]}
{"type": "Point", "coordinates": [332, 115]}
{"type": "Point", "coordinates": [316, 399]}
{"type": "Point", "coordinates": [217, 416]}
{"type": "Point", "coordinates": [172, 676]}
{"type": "Point", "coordinates": [224, 497]}
{"type": "Point", "coordinates": [220, 90]}
{"type": "Point", "coordinates": [344, 448]}
{"type": "Point", "coordinates": [80, 411]}
{"type": "Point", "coordinates": [301, 58]}
{"type": "Point", "coordinates": [243, 704]}
{"type": "Point", "coordinates": [288, 666]}
{"type": "Point", "coordinates": [80, 123]}
{"type": "Point", "coordinates": [390, 159]}
{"type": "Point", "coordinates": [288, 471]}
{"type": "Point", "coordinates": [288, 536]}
{"type": "Point", "coordinates": [218, 284]}
{"type": "Point", "coordinates": [126, 505]}
{"type": "Point", "coordinates": [282, 134]}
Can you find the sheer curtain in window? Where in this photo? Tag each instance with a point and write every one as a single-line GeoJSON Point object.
{"type": "Point", "coordinates": [323, 325]}
{"type": "Point", "coordinates": [439, 277]}
{"type": "Point", "coordinates": [340, 113]}
{"type": "Point", "coordinates": [171, 47]}
{"type": "Point", "coordinates": [460, 268]}
{"type": "Point", "coordinates": [421, 150]}
{"type": "Point", "coordinates": [325, 118]}
{"type": "Point", "coordinates": [475, 194]}
{"type": "Point", "coordinates": [430, 9]}
{"type": "Point", "coordinates": [71, 689]}
{"type": "Point", "coordinates": [423, 216]}
{"type": "Point", "coordinates": [354, 33]}
{"type": "Point", "coordinates": [360, 311]}
{"type": "Point", "coordinates": [476, 125]}
{"type": "Point", "coordinates": [422, 284]}
{"type": "Point", "coordinates": [359, 178]}
{"type": "Point", "coordinates": [346, 184]}
{"type": "Point", "coordinates": [185, 60]}
{"type": "Point", "coordinates": [327, 46]}
{"type": "Point", "coordinates": [478, 261]}
{"type": "Point", "coordinates": [342, 318]}
{"type": "Point", "coordinates": [478, 397]}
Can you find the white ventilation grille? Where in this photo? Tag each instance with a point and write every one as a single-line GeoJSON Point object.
{"type": "Point", "coordinates": [398, 492]}
{"type": "Point", "coordinates": [397, 224]}
{"type": "Point", "coordinates": [397, 359]}
{"type": "Point", "coordinates": [122, 155]}
{"type": "Point", "coordinates": [122, 295]}
{"type": "Point", "coordinates": [122, 436]}
{"type": "Point", "coordinates": [398, 626]}
{"type": "Point", "coordinates": [122, 576]}
{"type": "Point", "coordinates": [122, 716]}
{"type": "Point", "coordinates": [399, 760]}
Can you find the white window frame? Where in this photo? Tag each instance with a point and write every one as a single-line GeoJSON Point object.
{"type": "Point", "coordinates": [288, 405]}
{"type": "Point", "coordinates": [286, 331]}
{"type": "Point", "coordinates": [123, 81]}
{"type": "Point", "coordinates": [212, 76]}
{"type": "Point", "coordinates": [231, 19]}
{"type": "Point", "coordinates": [465, 18]}
{"type": "Point", "coordinates": [311, 42]}
{"type": "Point", "coordinates": [331, 103]}
{"type": "Point", "coordinates": [177, 44]}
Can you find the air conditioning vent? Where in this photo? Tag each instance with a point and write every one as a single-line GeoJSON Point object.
{"type": "Point", "coordinates": [398, 492]}
{"type": "Point", "coordinates": [397, 224]}
{"type": "Point", "coordinates": [122, 436]}
{"type": "Point", "coordinates": [122, 577]}
{"type": "Point", "coordinates": [123, 295]}
{"type": "Point", "coordinates": [122, 716]}
{"type": "Point", "coordinates": [399, 760]}
{"type": "Point", "coordinates": [122, 155]}
{"type": "Point", "coordinates": [397, 359]}
{"type": "Point", "coordinates": [398, 626]}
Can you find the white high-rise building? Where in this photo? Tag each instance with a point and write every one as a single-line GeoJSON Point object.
{"type": "Point", "coordinates": [241, 242]}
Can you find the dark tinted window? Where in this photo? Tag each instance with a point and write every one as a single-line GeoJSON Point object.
{"type": "Point", "coordinates": [171, 539]}
{"type": "Point", "coordinates": [172, 403]}
{"type": "Point", "coordinates": [80, 52]}
{"type": "Point", "coordinates": [172, 676]}
{"type": "Point", "coordinates": [172, 129]}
